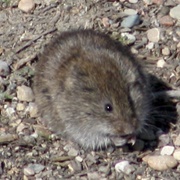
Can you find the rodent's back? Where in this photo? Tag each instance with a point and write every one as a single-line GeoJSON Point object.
{"type": "Point", "coordinates": [90, 88]}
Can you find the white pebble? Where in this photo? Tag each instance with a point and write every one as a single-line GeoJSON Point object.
{"type": "Point", "coordinates": [175, 12]}
{"type": "Point", "coordinates": [124, 167]}
{"type": "Point", "coordinates": [25, 93]}
{"type": "Point", "coordinates": [177, 141]}
{"type": "Point", "coordinates": [26, 5]}
{"type": "Point", "coordinates": [153, 34]}
{"type": "Point", "coordinates": [167, 150]}
{"type": "Point", "coordinates": [161, 63]}
{"type": "Point", "coordinates": [33, 110]}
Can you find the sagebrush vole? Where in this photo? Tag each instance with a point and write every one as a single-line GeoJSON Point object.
{"type": "Point", "coordinates": [90, 88]}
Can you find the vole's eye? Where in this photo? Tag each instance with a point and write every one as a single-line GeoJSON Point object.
{"type": "Point", "coordinates": [108, 108]}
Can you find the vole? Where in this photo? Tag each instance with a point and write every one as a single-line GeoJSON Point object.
{"type": "Point", "coordinates": [91, 89]}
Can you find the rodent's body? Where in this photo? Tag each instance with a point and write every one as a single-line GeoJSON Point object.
{"type": "Point", "coordinates": [91, 89]}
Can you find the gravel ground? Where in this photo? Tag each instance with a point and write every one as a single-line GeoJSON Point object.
{"type": "Point", "coordinates": [150, 28]}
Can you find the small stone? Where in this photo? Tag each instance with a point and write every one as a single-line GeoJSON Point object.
{"type": "Point", "coordinates": [21, 127]}
{"type": "Point", "coordinates": [10, 111]}
{"type": "Point", "coordinates": [6, 138]}
{"type": "Point", "coordinates": [105, 22]}
{"type": "Point", "coordinates": [32, 169]}
{"type": "Point", "coordinates": [33, 110]}
{"type": "Point", "coordinates": [26, 5]}
{"type": "Point", "coordinates": [79, 158]}
{"type": "Point", "coordinates": [161, 63]}
{"type": "Point", "coordinates": [166, 51]}
{"type": "Point", "coordinates": [176, 154]}
{"type": "Point", "coordinates": [133, 1]}
{"type": "Point", "coordinates": [130, 21]}
{"type": "Point", "coordinates": [175, 12]}
{"type": "Point", "coordinates": [129, 38]}
{"type": "Point", "coordinates": [150, 45]}
{"type": "Point", "coordinates": [148, 2]}
{"type": "Point", "coordinates": [153, 34]}
{"type": "Point", "coordinates": [167, 150]}
{"type": "Point", "coordinates": [93, 176]}
{"type": "Point", "coordinates": [129, 12]}
{"type": "Point", "coordinates": [42, 131]}
{"type": "Point", "coordinates": [177, 141]}
{"type": "Point", "coordinates": [4, 68]}
{"type": "Point", "coordinates": [73, 152]}
{"type": "Point", "coordinates": [25, 93]}
{"type": "Point", "coordinates": [124, 167]}
{"type": "Point", "coordinates": [160, 163]}
{"type": "Point", "coordinates": [166, 21]}
{"type": "Point", "coordinates": [20, 107]}
{"type": "Point", "coordinates": [158, 2]}
{"type": "Point", "coordinates": [28, 171]}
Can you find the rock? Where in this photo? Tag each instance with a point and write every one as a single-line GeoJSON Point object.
{"type": "Point", "coordinates": [32, 169]}
{"type": "Point", "coordinates": [106, 22]}
{"type": "Point", "coordinates": [158, 2]}
{"type": "Point", "coordinates": [148, 2]}
{"type": "Point", "coordinates": [166, 51]}
{"type": "Point", "coordinates": [129, 38]}
{"type": "Point", "coordinates": [25, 93]}
{"type": "Point", "coordinates": [133, 1]}
{"type": "Point", "coordinates": [20, 107]}
{"type": "Point", "coordinates": [93, 176]}
{"type": "Point", "coordinates": [10, 111]}
{"type": "Point", "coordinates": [26, 5]}
{"type": "Point", "coordinates": [153, 34]}
{"type": "Point", "coordinates": [176, 154]}
{"type": "Point", "coordinates": [42, 131]}
{"type": "Point", "coordinates": [129, 12]}
{"type": "Point", "coordinates": [166, 21]}
{"type": "Point", "coordinates": [177, 141]}
{"type": "Point", "coordinates": [130, 21]}
{"type": "Point", "coordinates": [175, 12]}
{"type": "Point", "coordinates": [73, 152]}
{"type": "Point", "coordinates": [167, 150]}
{"type": "Point", "coordinates": [160, 163]}
{"type": "Point", "coordinates": [161, 63]}
{"type": "Point", "coordinates": [6, 138]}
{"type": "Point", "coordinates": [150, 45]}
{"type": "Point", "coordinates": [79, 158]}
{"type": "Point", "coordinates": [124, 167]}
{"type": "Point", "coordinates": [4, 68]}
{"type": "Point", "coordinates": [33, 110]}
{"type": "Point", "coordinates": [164, 139]}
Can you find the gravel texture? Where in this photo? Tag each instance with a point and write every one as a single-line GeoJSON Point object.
{"type": "Point", "coordinates": [151, 29]}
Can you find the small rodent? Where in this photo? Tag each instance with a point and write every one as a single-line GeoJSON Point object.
{"type": "Point", "coordinates": [90, 88]}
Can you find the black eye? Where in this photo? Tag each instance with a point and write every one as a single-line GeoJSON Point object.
{"type": "Point", "coordinates": [108, 107]}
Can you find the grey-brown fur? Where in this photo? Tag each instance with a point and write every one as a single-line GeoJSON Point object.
{"type": "Point", "coordinates": [77, 75]}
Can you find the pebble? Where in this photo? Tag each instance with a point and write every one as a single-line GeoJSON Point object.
{"type": "Point", "coordinates": [32, 169]}
{"type": "Point", "coordinates": [176, 154]}
{"type": "Point", "coordinates": [106, 22]}
{"type": "Point", "coordinates": [148, 2]}
{"type": "Point", "coordinates": [20, 107]}
{"type": "Point", "coordinates": [166, 51]}
{"type": "Point", "coordinates": [160, 163]}
{"type": "Point", "coordinates": [177, 141]}
{"type": "Point", "coordinates": [33, 110]}
{"type": "Point", "coordinates": [93, 176]}
{"type": "Point", "coordinates": [133, 1]}
{"type": "Point", "coordinates": [161, 63]}
{"type": "Point", "coordinates": [129, 38]}
{"type": "Point", "coordinates": [7, 138]}
{"type": "Point", "coordinates": [167, 150]}
{"type": "Point", "coordinates": [130, 21]}
{"type": "Point", "coordinates": [10, 111]}
{"type": "Point", "coordinates": [164, 139]}
{"type": "Point", "coordinates": [24, 93]}
{"type": "Point", "coordinates": [175, 12]}
{"type": "Point", "coordinates": [41, 131]}
{"type": "Point", "coordinates": [158, 2]}
{"type": "Point", "coordinates": [124, 167]}
{"type": "Point", "coordinates": [79, 158]}
{"type": "Point", "coordinates": [166, 21]}
{"type": "Point", "coordinates": [153, 34]}
{"type": "Point", "coordinates": [4, 68]}
{"type": "Point", "coordinates": [129, 12]}
{"type": "Point", "coordinates": [26, 5]}
{"type": "Point", "coordinates": [73, 152]}
{"type": "Point", "coordinates": [150, 45]}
